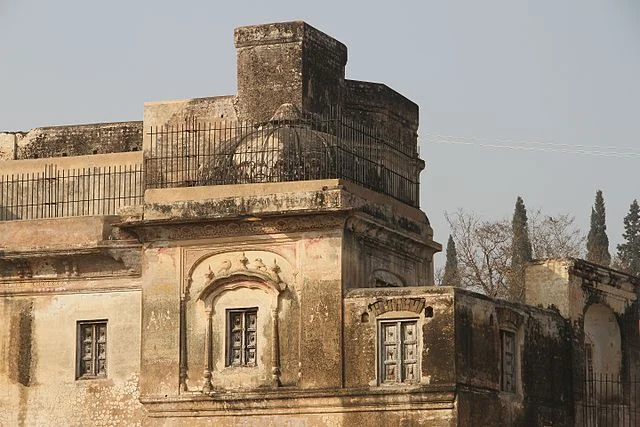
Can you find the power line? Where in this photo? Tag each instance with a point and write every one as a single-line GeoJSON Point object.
{"type": "Point", "coordinates": [506, 144]}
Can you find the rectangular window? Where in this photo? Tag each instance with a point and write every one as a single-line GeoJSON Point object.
{"type": "Point", "coordinates": [91, 349]}
{"type": "Point", "coordinates": [398, 351]}
{"type": "Point", "coordinates": [508, 346]}
{"type": "Point", "coordinates": [242, 337]}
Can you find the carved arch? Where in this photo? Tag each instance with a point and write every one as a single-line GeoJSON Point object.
{"type": "Point", "coordinates": [266, 266]}
{"type": "Point", "coordinates": [248, 279]}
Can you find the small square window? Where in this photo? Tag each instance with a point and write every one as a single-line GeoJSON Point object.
{"type": "Point", "coordinates": [508, 361]}
{"type": "Point", "coordinates": [242, 337]}
{"type": "Point", "coordinates": [91, 349]}
{"type": "Point", "coordinates": [398, 351]}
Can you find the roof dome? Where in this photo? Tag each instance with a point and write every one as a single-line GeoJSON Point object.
{"type": "Point", "coordinates": [286, 148]}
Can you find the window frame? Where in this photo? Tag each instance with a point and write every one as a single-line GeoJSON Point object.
{"type": "Point", "coordinates": [96, 372]}
{"type": "Point", "coordinates": [400, 342]}
{"type": "Point", "coordinates": [504, 385]}
{"type": "Point", "coordinates": [245, 331]}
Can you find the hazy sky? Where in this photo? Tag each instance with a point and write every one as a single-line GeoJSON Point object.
{"type": "Point", "coordinates": [488, 73]}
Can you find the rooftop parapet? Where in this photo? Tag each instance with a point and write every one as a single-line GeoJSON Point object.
{"type": "Point", "coordinates": [289, 147]}
{"type": "Point", "coordinates": [71, 140]}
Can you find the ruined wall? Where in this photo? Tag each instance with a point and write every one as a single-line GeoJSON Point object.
{"type": "Point", "coordinates": [575, 287]}
{"type": "Point", "coordinates": [542, 345]}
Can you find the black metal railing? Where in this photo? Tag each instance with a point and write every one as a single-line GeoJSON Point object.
{"type": "Point", "coordinates": [194, 154]}
{"type": "Point", "coordinates": [607, 401]}
{"type": "Point", "coordinates": [55, 192]}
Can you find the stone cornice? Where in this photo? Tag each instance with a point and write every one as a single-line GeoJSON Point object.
{"type": "Point", "coordinates": [35, 286]}
{"type": "Point", "coordinates": [605, 279]}
{"type": "Point", "coordinates": [377, 233]}
{"type": "Point", "coordinates": [109, 259]}
{"type": "Point", "coordinates": [245, 226]}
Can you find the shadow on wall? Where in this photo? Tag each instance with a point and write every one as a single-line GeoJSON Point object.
{"type": "Point", "coordinates": [602, 341]}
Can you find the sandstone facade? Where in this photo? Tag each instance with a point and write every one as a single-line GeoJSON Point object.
{"type": "Point", "coordinates": [261, 259]}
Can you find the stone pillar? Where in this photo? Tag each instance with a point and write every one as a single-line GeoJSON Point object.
{"type": "Point", "coordinates": [207, 386]}
{"type": "Point", "coordinates": [183, 343]}
{"type": "Point", "coordinates": [275, 349]}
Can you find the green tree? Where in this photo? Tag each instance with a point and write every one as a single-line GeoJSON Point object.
{"type": "Point", "coordinates": [451, 274]}
{"type": "Point", "coordinates": [521, 252]}
{"type": "Point", "coordinates": [597, 240]}
{"type": "Point", "coordinates": [629, 251]}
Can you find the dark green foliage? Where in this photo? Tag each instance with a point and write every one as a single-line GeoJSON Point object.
{"type": "Point", "coordinates": [597, 240]}
{"type": "Point", "coordinates": [451, 274]}
{"type": "Point", "coordinates": [629, 251]}
{"type": "Point", "coordinates": [521, 252]}
{"type": "Point", "coordinates": [521, 247]}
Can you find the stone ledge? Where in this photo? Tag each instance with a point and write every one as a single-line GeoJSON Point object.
{"type": "Point", "coordinates": [36, 235]}
{"type": "Point", "coordinates": [296, 401]}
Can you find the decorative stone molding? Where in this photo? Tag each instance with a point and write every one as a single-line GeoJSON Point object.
{"type": "Point", "coordinates": [73, 264]}
{"type": "Point", "coordinates": [374, 233]}
{"type": "Point", "coordinates": [149, 232]}
{"type": "Point", "coordinates": [264, 266]}
{"type": "Point", "coordinates": [212, 274]}
{"type": "Point", "coordinates": [605, 279]}
{"type": "Point", "coordinates": [381, 306]}
{"type": "Point", "coordinates": [509, 318]}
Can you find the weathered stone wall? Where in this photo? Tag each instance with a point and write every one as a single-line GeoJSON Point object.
{"type": "Point", "coordinates": [9, 144]}
{"type": "Point", "coordinates": [38, 363]}
{"type": "Point", "coordinates": [72, 140]}
{"type": "Point", "coordinates": [288, 62]}
{"type": "Point", "coordinates": [53, 274]}
{"type": "Point", "coordinates": [574, 287]}
{"type": "Point", "coordinates": [216, 109]}
{"type": "Point", "coordinates": [543, 345]}
{"type": "Point", "coordinates": [379, 107]}
{"type": "Point", "coordinates": [434, 310]}
{"type": "Point", "coordinates": [309, 302]}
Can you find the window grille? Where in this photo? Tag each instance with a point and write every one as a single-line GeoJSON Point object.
{"type": "Point", "coordinates": [92, 349]}
{"type": "Point", "coordinates": [242, 337]}
{"type": "Point", "coordinates": [398, 351]}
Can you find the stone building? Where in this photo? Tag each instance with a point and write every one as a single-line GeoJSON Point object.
{"type": "Point", "coordinates": [262, 259]}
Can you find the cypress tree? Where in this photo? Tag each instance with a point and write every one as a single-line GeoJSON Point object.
{"type": "Point", "coordinates": [597, 240]}
{"type": "Point", "coordinates": [451, 274]}
{"type": "Point", "coordinates": [629, 251]}
{"type": "Point", "coordinates": [521, 252]}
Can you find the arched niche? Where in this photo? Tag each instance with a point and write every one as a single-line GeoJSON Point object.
{"type": "Point", "coordinates": [220, 286]}
{"type": "Point", "coordinates": [603, 350]}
